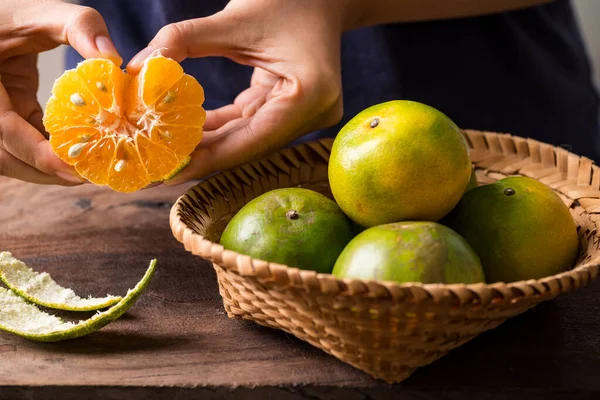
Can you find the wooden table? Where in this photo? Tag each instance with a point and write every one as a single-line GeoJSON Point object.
{"type": "Point", "coordinates": [177, 342]}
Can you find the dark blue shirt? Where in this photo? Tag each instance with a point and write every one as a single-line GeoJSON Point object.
{"type": "Point", "coordinates": [524, 72]}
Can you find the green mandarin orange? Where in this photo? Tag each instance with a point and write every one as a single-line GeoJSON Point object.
{"type": "Point", "coordinates": [519, 227]}
{"type": "Point", "coordinates": [396, 161]}
{"type": "Point", "coordinates": [292, 226]}
{"type": "Point", "coordinates": [402, 252]}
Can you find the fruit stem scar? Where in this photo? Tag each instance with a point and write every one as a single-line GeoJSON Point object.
{"type": "Point", "coordinates": [76, 149]}
{"type": "Point", "coordinates": [77, 100]}
{"type": "Point", "coordinates": [509, 191]}
{"type": "Point", "coordinates": [374, 122]}
{"type": "Point", "coordinates": [292, 214]}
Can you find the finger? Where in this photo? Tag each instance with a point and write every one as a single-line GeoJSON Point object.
{"type": "Point", "coordinates": [35, 120]}
{"type": "Point", "coordinates": [261, 84]}
{"type": "Point", "coordinates": [251, 99]}
{"type": "Point", "coordinates": [26, 143]}
{"type": "Point", "coordinates": [251, 108]}
{"type": "Point", "coordinates": [29, 109]}
{"type": "Point", "coordinates": [246, 103]}
{"type": "Point", "coordinates": [11, 167]}
{"type": "Point", "coordinates": [272, 127]}
{"type": "Point", "coordinates": [25, 103]}
{"type": "Point", "coordinates": [81, 27]}
{"type": "Point", "coordinates": [231, 126]}
{"type": "Point", "coordinates": [280, 120]}
{"type": "Point", "coordinates": [261, 77]}
{"type": "Point", "coordinates": [216, 35]}
{"type": "Point", "coordinates": [220, 116]}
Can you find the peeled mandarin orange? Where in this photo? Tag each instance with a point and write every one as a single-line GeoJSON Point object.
{"type": "Point", "coordinates": [125, 131]}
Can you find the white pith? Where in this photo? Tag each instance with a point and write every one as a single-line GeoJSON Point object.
{"type": "Point", "coordinates": [113, 123]}
{"type": "Point", "coordinates": [18, 315]}
{"type": "Point", "coordinates": [41, 289]}
{"type": "Point", "coordinates": [25, 319]}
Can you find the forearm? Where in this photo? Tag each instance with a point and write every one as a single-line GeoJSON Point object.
{"type": "Point", "coordinates": [361, 13]}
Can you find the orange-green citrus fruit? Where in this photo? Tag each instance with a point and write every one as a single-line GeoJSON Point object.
{"type": "Point", "coordinates": [425, 252]}
{"type": "Point", "coordinates": [397, 161]}
{"type": "Point", "coordinates": [519, 227]}
{"type": "Point", "coordinates": [292, 226]}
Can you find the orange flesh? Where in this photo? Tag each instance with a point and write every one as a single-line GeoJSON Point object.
{"type": "Point", "coordinates": [125, 131]}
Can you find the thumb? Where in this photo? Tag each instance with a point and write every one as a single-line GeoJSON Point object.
{"type": "Point", "coordinates": [217, 35]}
{"type": "Point", "coordinates": [81, 27]}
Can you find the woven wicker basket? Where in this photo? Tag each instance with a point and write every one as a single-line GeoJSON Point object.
{"type": "Point", "coordinates": [385, 329]}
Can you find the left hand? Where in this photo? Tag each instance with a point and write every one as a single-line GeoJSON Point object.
{"type": "Point", "coordinates": [294, 47]}
{"type": "Point", "coordinates": [29, 27]}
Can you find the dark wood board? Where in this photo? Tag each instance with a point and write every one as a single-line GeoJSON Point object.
{"type": "Point", "coordinates": [177, 341]}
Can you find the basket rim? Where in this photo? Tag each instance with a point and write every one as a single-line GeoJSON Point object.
{"type": "Point", "coordinates": [291, 277]}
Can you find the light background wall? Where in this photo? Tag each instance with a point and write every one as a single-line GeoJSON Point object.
{"type": "Point", "coordinates": [51, 63]}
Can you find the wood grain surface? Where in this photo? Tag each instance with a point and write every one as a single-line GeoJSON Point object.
{"type": "Point", "coordinates": [177, 342]}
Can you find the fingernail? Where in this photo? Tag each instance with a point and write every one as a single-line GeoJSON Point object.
{"type": "Point", "coordinates": [71, 177]}
{"type": "Point", "coordinates": [107, 49]}
{"type": "Point", "coordinates": [140, 57]}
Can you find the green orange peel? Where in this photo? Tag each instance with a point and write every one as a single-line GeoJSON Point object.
{"type": "Point", "coordinates": [24, 319]}
{"type": "Point", "coordinates": [41, 289]}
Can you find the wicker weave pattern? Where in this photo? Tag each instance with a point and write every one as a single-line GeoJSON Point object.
{"type": "Point", "coordinates": [385, 329]}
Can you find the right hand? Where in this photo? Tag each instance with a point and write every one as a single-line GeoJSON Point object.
{"type": "Point", "coordinates": [29, 27]}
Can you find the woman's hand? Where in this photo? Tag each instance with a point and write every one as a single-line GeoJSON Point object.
{"type": "Point", "coordinates": [29, 27]}
{"type": "Point", "coordinates": [294, 47]}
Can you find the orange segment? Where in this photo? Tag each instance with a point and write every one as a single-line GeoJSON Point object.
{"type": "Point", "coordinates": [183, 93]}
{"type": "Point", "coordinates": [180, 139]}
{"type": "Point", "coordinates": [125, 131]}
{"type": "Point", "coordinates": [73, 97]}
{"type": "Point", "coordinates": [126, 169]}
{"type": "Point", "coordinates": [156, 77]}
{"type": "Point", "coordinates": [95, 166]}
{"type": "Point", "coordinates": [160, 165]}
{"type": "Point", "coordinates": [56, 120]}
{"type": "Point", "coordinates": [105, 81]}
{"type": "Point", "coordinates": [72, 145]}
{"type": "Point", "coordinates": [134, 108]}
{"type": "Point", "coordinates": [186, 115]}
